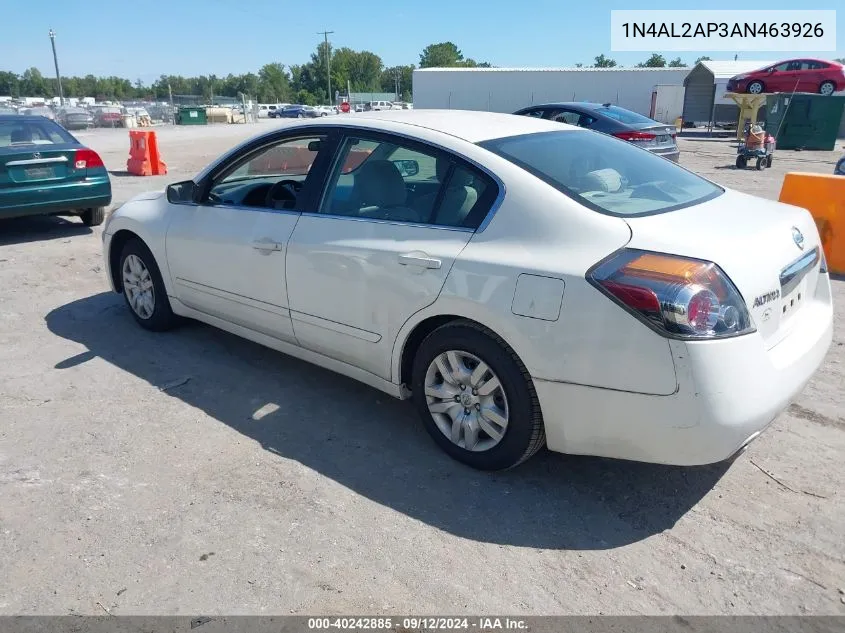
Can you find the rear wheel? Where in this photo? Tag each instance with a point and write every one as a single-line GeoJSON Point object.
{"type": "Point", "coordinates": [769, 160]}
{"type": "Point", "coordinates": [755, 87]}
{"type": "Point", "coordinates": [741, 162]}
{"type": "Point", "coordinates": [143, 288]}
{"type": "Point", "coordinates": [761, 163]}
{"type": "Point", "coordinates": [476, 398]}
{"type": "Point", "coordinates": [93, 216]}
{"type": "Point", "coordinates": [827, 88]}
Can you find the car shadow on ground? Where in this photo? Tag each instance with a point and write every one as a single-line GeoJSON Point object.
{"type": "Point", "coordinates": [37, 228]}
{"type": "Point", "coordinates": [375, 446]}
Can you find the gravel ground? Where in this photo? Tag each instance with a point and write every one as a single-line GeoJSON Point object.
{"type": "Point", "coordinates": [194, 472]}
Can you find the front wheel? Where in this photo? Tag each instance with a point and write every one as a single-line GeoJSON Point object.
{"type": "Point", "coordinates": [769, 160]}
{"type": "Point", "coordinates": [741, 162]}
{"type": "Point", "coordinates": [827, 88]}
{"type": "Point", "coordinates": [476, 398]}
{"type": "Point", "coordinates": [755, 87]}
{"type": "Point", "coordinates": [761, 164]}
{"type": "Point", "coordinates": [143, 288]}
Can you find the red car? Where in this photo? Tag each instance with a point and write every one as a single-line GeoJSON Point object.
{"type": "Point", "coordinates": [794, 75]}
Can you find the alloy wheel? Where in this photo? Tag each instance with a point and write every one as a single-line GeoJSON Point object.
{"type": "Point", "coordinates": [138, 286]}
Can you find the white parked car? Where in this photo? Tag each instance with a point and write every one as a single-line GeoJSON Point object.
{"type": "Point", "coordinates": [325, 110]}
{"type": "Point", "coordinates": [526, 282]}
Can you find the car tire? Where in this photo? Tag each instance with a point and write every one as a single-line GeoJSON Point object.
{"type": "Point", "coordinates": [160, 317]}
{"type": "Point", "coordinates": [755, 88]}
{"type": "Point", "coordinates": [93, 216]}
{"type": "Point", "coordinates": [513, 394]}
{"type": "Point", "coordinates": [741, 162]}
{"type": "Point", "coordinates": [827, 88]}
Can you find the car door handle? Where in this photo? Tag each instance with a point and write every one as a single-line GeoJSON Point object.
{"type": "Point", "coordinates": [419, 259]}
{"type": "Point", "coordinates": [267, 245]}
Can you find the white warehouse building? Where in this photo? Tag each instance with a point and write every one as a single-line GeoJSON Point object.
{"type": "Point", "coordinates": [655, 92]}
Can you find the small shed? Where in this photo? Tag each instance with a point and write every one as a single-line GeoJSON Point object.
{"type": "Point", "coordinates": [705, 86]}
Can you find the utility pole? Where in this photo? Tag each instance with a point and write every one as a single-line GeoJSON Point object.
{"type": "Point", "coordinates": [325, 35]}
{"type": "Point", "coordinates": [56, 62]}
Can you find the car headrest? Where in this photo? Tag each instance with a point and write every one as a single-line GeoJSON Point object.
{"type": "Point", "coordinates": [379, 183]}
{"type": "Point", "coordinates": [607, 180]}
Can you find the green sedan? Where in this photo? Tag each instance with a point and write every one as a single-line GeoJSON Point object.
{"type": "Point", "coordinates": [44, 170]}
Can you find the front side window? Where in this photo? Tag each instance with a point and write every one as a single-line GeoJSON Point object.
{"type": "Point", "coordinates": [605, 174]}
{"type": "Point", "coordinates": [403, 182]}
{"type": "Point", "coordinates": [272, 177]}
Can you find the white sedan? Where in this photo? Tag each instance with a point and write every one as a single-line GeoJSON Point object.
{"type": "Point", "coordinates": [527, 282]}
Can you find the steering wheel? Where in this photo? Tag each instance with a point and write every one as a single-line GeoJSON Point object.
{"type": "Point", "coordinates": [283, 191]}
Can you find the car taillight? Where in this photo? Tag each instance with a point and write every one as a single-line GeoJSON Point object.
{"type": "Point", "coordinates": [639, 138]}
{"type": "Point", "coordinates": [86, 159]}
{"type": "Point", "coordinates": [677, 296]}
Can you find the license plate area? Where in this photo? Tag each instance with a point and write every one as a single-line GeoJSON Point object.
{"type": "Point", "coordinates": [37, 173]}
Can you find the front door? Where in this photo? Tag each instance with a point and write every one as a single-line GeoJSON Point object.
{"type": "Point", "coordinates": [227, 253]}
{"type": "Point", "coordinates": [394, 217]}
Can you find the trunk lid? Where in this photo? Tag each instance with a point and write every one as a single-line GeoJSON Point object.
{"type": "Point", "coordinates": [38, 163]}
{"type": "Point", "coordinates": [755, 242]}
{"type": "Point", "coordinates": [664, 135]}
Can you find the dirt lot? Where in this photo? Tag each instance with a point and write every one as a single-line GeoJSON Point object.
{"type": "Point", "coordinates": [194, 472]}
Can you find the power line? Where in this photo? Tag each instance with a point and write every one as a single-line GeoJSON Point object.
{"type": "Point", "coordinates": [325, 35]}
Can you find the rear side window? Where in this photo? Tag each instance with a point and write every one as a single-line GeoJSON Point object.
{"type": "Point", "coordinates": [32, 132]}
{"type": "Point", "coordinates": [392, 179]}
{"type": "Point", "coordinates": [605, 174]}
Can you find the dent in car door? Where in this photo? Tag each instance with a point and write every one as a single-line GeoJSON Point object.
{"type": "Point", "coordinates": [353, 283]}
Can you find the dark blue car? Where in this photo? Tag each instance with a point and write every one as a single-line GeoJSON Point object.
{"type": "Point", "coordinates": [298, 112]}
{"type": "Point", "coordinates": [655, 137]}
{"type": "Point", "coordinates": [44, 170]}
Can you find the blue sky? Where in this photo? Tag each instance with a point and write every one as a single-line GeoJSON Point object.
{"type": "Point", "coordinates": [222, 36]}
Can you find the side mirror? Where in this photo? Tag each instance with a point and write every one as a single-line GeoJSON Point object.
{"type": "Point", "coordinates": [181, 192]}
{"type": "Point", "coordinates": [407, 167]}
{"type": "Point", "coordinates": [314, 146]}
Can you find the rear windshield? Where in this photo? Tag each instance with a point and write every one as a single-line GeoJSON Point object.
{"type": "Point", "coordinates": [625, 116]}
{"type": "Point", "coordinates": [32, 132]}
{"type": "Point", "coordinates": [605, 174]}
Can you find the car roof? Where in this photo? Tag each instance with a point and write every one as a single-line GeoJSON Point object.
{"type": "Point", "coordinates": [586, 105]}
{"type": "Point", "coordinates": [22, 117]}
{"type": "Point", "coordinates": [468, 125]}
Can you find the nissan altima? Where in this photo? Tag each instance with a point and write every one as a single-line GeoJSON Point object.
{"type": "Point", "coordinates": [525, 282]}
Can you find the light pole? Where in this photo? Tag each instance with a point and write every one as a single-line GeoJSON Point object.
{"type": "Point", "coordinates": [56, 62]}
{"type": "Point", "coordinates": [325, 35]}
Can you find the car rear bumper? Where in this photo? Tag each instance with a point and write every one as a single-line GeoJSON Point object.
{"type": "Point", "coordinates": [57, 198]}
{"type": "Point", "coordinates": [728, 392]}
{"type": "Point", "coordinates": [673, 154]}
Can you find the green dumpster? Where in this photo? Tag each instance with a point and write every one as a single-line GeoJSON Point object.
{"type": "Point", "coordinates": [804, 120]}
{"type": "Point", "coordinates": [191, 116]}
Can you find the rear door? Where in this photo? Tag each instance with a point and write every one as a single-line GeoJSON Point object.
{"type": "Point", "coordinates": [371, 256]}
{"type": "Point", "coordinates": [36, 157]}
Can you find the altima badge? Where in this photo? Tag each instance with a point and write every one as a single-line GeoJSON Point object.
{"type": "Point", "coordinates": [766, 298]}
{"type": "Point", "coordinates": [798, 238]}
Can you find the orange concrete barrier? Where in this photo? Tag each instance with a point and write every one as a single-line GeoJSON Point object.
{"type": "Point", "coordinates": [144, 159]}
{"type": "Point", "coordinates": [823, 195]}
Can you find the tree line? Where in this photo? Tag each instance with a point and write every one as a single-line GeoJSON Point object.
{"type": "Point", "coordinates": [359, 71]}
